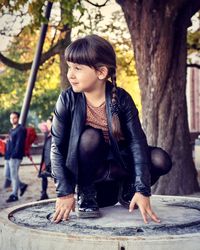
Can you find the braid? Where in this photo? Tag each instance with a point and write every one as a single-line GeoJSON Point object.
{"type": "Point", "coordinates": [116, 127]}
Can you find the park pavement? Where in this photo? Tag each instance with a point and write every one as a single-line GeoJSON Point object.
{"type": "Point", "coordinates": [28, 174]}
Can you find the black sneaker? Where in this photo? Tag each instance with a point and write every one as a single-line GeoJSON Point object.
{"type": "Point", "coordinates": [12, 198]}
{"type": "Point", "coordinates": [87, 204]}
{"type": "Point", "coordinates": [23, 189]}
{"type": "Point", "coordinates": [45, 174]}
{"type": "Point", "coordinates": [126, 192]}
{"type": "Point", "coordinates": [44, 196]}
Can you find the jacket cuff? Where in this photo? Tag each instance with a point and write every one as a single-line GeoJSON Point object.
{"type": "Point", "coordinates": [62, 194]}
{"type": "Point", "coordinates": [63, 189]}
{"type": "Point", "coordinates": [141, 187]}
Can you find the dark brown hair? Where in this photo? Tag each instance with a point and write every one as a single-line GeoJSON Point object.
{"type": "Point", "coordinates": [15, 113]}
{"type": "Point", "coordinates": [95, 52]}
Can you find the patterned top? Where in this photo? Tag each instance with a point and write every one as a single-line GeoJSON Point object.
{"type": "Point", "coordinates": [96, 118]}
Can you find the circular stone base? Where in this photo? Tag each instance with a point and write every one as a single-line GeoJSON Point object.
{"type": "Point", "coordinates": [30, 227]}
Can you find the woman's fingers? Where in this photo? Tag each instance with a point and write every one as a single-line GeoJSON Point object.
{"type": "Point", "coordinates": [63, 207]}
{"type": "Point", "coordinates": [153, 216]}
{"type": "Point", "coordinates": [66, 215]}
{"type": "Point", "coordinates": [144, 205]}
{"type": "Point", "coordinates": [73, 207]}
{"type": "Point", "coordinates": [58, 216]}
{"type": "Point", "coordinates": [132, 205]}
{"type": "Point", "coordinates": [144, 216]}
{"type": "Point", "coordinates": [148, 212]}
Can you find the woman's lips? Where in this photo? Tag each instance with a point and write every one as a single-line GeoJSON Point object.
{"type": "Point", "coordinates": [74, 83]}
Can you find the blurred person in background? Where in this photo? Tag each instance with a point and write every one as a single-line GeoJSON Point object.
{"type": "Point", "coordinates": [13, 156]}
{"type": "Point", "coordinates": [45, 165]}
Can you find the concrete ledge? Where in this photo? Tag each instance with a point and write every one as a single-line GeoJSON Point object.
{"type": "Point", "coordinates": [29, 227]}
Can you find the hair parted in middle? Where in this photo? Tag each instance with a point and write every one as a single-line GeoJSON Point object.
{"type": "Point", "coordinates": [95, 52]}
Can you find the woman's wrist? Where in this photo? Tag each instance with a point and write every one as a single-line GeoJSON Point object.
{"type": "Point", "coordinates": [66, 196]}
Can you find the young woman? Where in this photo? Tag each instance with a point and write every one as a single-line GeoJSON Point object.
{"type": "Point", "coordinates": [97, 140]}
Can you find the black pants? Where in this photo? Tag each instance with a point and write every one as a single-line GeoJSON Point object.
{"type": "Point", "coordinates": [44, 184]}
{"type": "Point", "coordinates": [97, 165]}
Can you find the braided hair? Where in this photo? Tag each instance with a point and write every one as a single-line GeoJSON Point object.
{"type": "Point", "coordinates": [116, 127]}
{"type": "Point", "coordinates": [95, 52]}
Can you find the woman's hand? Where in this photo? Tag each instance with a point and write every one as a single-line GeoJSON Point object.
{"type": "Point", "coordinates": [144, 205]}
{"type": "Point", "coordinates": [64, 205]}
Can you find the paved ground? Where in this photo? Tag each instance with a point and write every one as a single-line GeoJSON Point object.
{"type": "Point", "coordinates": [28, 174]}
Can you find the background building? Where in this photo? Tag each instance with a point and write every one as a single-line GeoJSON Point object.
{"type": "Point", "coordinates": [193, 95]}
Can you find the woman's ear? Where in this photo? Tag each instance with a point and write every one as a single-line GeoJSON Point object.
{"type": "Point", "coordinates": [102, 72]}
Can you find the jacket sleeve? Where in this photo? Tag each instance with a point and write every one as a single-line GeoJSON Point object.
{"type": "Point", "coordinates": [137, 142]}
{"type": "Point", "coordinates": [60, 131]}
{"type": "Point", "coordinates": [19, 145]}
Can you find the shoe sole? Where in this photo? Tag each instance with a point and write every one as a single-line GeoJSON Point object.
{"type": "Point", "coordinates": [120, 200]}
{"type": "Point", "coordinates": [9, 201]}
{"type": "Point", "coordinates": [95, 214]}
{"type": "Point", "coordinates": [126, 204]}
{"type": "Point", "coordinates": [123, 203]}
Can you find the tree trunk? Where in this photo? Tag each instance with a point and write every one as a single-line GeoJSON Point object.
{"type": "Point", "coordinates": [66, 40]}
{"type": "Point", "coordinates": [158, 31]}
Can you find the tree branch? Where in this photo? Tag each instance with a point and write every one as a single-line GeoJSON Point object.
{"type": "Point", "coordinates": [26, 66]}
{"type": "Point", "coordinates": [193, 65]}
{"type": "Point", "coordinates": [193, 46]}
{"type": "Point", "coordinates": [97, 5]}
{"type": "Point", "coordinates": [194, 6]}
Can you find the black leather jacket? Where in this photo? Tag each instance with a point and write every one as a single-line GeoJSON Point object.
{"type": "Point", "coordinates": [68, 124]}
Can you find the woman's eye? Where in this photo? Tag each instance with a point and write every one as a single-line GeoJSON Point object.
{"type": "Point", "coordinates": [77, 68]}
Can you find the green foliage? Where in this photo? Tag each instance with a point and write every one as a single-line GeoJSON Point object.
{"type": "Point", "coordinates": [193, 37]}
{"type": "Point", "coordinates": [5, 120]}
{"type": "Point", "coordinates": [13, 83]}
{"type": "Point", "coordinates": [43, 100]}
{"type": "Point", "coordinates": [11, 95]}
{"type": "Point", "coordinates": [9, 80]}
{"type": "Point", "coordinates": [36, 10]}
{"type": "Point", "coordinates": [193, 40]}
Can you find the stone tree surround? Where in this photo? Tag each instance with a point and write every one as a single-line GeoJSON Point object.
{"type": "Point", "coordinates": [29, 227]}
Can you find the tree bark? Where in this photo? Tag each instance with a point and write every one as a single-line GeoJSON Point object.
{"type": "Point", "coordinates": [193, 65]}
{"type": "Point", "coordinates": [65, 41]}
{"type": "Point", "coordinates": [158, 31]}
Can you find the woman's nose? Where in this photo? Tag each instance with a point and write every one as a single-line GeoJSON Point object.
{"type": "Point", "coordinates": [70, 74]}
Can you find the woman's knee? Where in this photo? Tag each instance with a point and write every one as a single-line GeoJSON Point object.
{"type": "Point", "coordinates": [160, 160]}
{"type": "Point", "coordinates": [90, 139]}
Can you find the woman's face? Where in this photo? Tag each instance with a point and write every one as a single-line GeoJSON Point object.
{"type": "Point", "coordinates": [82, 78]}
{"type": "Point", "coordinates": [48, 123]}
